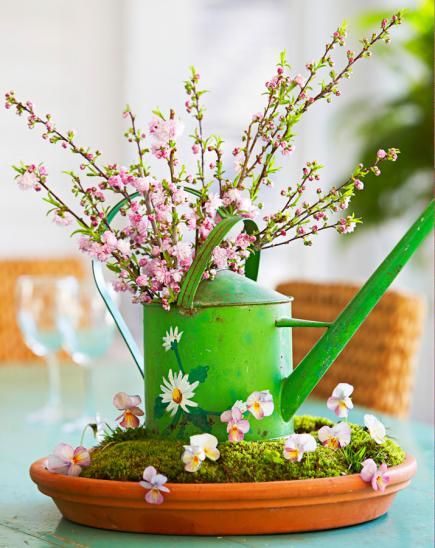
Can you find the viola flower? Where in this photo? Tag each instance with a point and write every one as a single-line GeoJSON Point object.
{"type": "Point", "coordinates": [241, 405]}
{"type": "Point", "coordinates": [340, 401]}
{"type": "Point", "coordinates": [177, 391]}
{"type": "Point", "coordinates": [376, 428]}
{"type": "Point", "coordinates": [155, 483]}
{"type": "Point", "coordinates": [128, 404]}
{"type": "Point", "coordinates": [237, 426]}
{"type": "Point", "coordinates": [378, 477]}
{"type": "Point", "coordinates": [68, 461]}
{"type": "Point", "coordinates": [297, 444]}
{"type": "Point", "coordinates": [335, 437]}
{"type": "Point", "coordinates": [260, 404]}
{"type": "Point", "coordinates": [208, 444]}
{"type": "Point", "coordinates": [192, 457]}
{"type": "Point", "coordinates": [172, 338]}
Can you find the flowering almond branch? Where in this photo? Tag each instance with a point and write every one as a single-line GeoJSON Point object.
{"type": "Point", "coordinates": [167, 219]}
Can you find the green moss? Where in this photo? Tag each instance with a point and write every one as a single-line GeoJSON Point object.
{"type": "Point", "coordinates": [125, 453]}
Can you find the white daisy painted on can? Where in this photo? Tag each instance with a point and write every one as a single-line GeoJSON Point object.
{"type": "Point", "coordinates": [177, 391]}
{"type": "Point", "coordinates": [172, 337]}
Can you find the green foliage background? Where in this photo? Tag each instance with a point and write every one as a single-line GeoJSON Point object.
{"type": "Point", "coordinates": [405, 122]}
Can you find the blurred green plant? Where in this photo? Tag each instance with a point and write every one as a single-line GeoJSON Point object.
{"type": "Point", "coordinates": [405, 122]}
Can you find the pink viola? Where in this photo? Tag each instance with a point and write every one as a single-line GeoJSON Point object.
{"type": "Point", "coordinates": [237, 426]}
{"type": "Point", "coordinates": [154, 483]}
{"type": "Point", "coordinates": [340, 401]}
{"type": "Point", "coordinates": [297, 445]}
{"type": "Point", "coordinates": [130, 410]}
{"type": "Point", "coordinates": [336, 436]}
{"type": "Point", "coordinates": [377, 477]}
{"type": "Point", "coordinates": [67, 460]}
{"type": "Point", "coordinates": [260, 404]}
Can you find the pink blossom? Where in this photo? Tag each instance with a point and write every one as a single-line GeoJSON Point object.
{"type": "Point", "coordinates": [299, 80]}
{"type": "Point", "coordinates": [183, 252]}
{"type": "Point", "coordinates": [346, 226]}
{"type": "Point", "coordinates": [260, 404]}
{"type": "Point", "coordinates": [142, 184]}
{"type": "Point", "coordinates": [110, 239]}
{"type": "Point", "coordinates": [381, 154]}
{"type": "Point", "coordinates": [115, 182]}
{"type": "Point", "coordinates": [163, 131]}
{"type": "Point", "coordinates": [120, 286]}
{"type": "Point", "coordinates": [205, 228]}
{"type": "Point", "coordinates": [359, 185]}
{"type": "Point", "coordinates": [213, 203]}
{"type": "Point", "coordinates": [237, 426]}
{"type": "Point", "coordinates": [195, 148]}
{"type": "Point", "coordinates": [340, 401]}
{"type": "Point", "coordinates": [142, 280]}
{"type": "Point", "coordinates": [124, 247]}
{"type": "Point", "coordinates": [68, 461]}
{"type": "Point", "coordinates": [244, 240]}
{"type": "Point", "coordinates": [85, 243]}
{"type": "Point", "coordinates": [297, 444]}
{"type": "Point", "coordinates": [26, 181]}
{"type": "Point", "coordinates": [337, 436]}
{"type": "Point", "coordinates": [63, 219]}
{"type": "Point", "coordinates": [220, 257]}
{"type": "Point", "coordinates": [378, 477]}
{"type": "Point", "coordinates": [155, 483]}
{"type": "Point", "coordinates": [231, 195]}
{"type": "Point", "coordinates": [246, 208]}
{"type": "Point", "coordinates": [239, 161]}
{"type": "Point", "coordinates": [129, 406]}
{"type": "Point", "coordinates": [272, 83]}
{"type": "Point", "coordinates": [159, 151]}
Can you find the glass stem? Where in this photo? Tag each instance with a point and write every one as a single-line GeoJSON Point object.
{"type": "Point", "coordinates": [89, 408]}
{"type": "Point", "coordinates": [53, 380]}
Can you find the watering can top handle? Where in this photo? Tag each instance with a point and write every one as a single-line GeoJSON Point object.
{"type": "Point", "coordinates": [203, 256]}
{"type": "Point", "coordinates": [97, 270]}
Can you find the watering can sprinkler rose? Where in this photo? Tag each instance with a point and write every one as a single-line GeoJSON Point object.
{"type": "Point", "coordinates": [212, 335]}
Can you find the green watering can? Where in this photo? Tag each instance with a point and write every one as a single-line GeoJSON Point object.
{"type": "Point", "coordinates": [229, 337]}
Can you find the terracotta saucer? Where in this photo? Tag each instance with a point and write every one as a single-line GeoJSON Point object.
{"type": "Point", "coordinates": [225, 508]}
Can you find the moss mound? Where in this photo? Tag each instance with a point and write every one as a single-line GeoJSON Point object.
{"type": "Point", "coordinates": [125, 453]}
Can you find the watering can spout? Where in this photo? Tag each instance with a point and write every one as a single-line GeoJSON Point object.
{"type": "Point", "coordinates": [297, 387]}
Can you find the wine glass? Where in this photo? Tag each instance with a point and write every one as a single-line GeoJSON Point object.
{"type": "Point", "coordinates": [36, 299]}
{"type": "Point", "coordinates": [87, 333]}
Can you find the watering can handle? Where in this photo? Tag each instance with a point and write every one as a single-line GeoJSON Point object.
{"type": "Point", "coordinates": [97, 270]}
{"type": "Point", "coordinates": [203, 256]}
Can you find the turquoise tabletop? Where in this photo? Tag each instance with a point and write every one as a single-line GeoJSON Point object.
{"type": "Point", "coordinates": [28, 518]}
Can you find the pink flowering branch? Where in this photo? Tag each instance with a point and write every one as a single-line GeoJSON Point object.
{"type": "Point", "coordinates": [163, 227]}
{"type": "Point", "coordinates": [280, 88]}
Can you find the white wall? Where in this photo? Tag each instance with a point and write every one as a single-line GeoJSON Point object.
{"type": "Point", "coordinates": [82, 61]}
{"type": "Point", "coordinates": [68, 58]}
